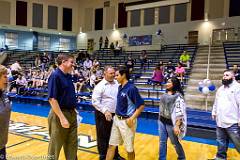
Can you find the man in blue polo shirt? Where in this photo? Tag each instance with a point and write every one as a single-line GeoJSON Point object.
{"type": "Point", "coordinates": [129, 106]}
{"type": "Point", "coordinates": [62, 118]}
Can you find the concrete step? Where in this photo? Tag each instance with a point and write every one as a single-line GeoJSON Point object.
{"type": "Point", "coordinates": [203, 76]}
{"type": "Point", "coordinates": [221, 61]}
{"type": "Point", "coordinates": [211, 52]}
{"type": "Point", "coordinates": [199, 65]}
{"type": "Point", "coordinates": [211, 70]}
{"type": "Point", "coordinates": [194, 82]}
{"type": "Point", "coordinates": [211, 56]}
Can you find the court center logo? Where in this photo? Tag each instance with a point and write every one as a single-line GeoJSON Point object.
{"type": "Point", "coordinates": [40, 133]}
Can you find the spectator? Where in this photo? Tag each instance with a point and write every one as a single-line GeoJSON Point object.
{"type": "Point", "coordinates": [96, 63]}
{"type": "Point", "coordinates": [37, 61]}
{"type": "Point", "coordinates": [44, 61]}
{"type": "Point", "coordinates": [87, 64]}
{"type": "Point", "coordinates": [93, 79]}
{"type": "Point", "coordinates": [106, 42]}
{"type": "Point", "coordinates": [15, 68]}
{"type": "Point", "coordinates": [180, 71]}
{"type": "Point", "coordinates": [130, 63]}
{"type": "Point", "coordinates": [161, 65]}
{"type": "Point", "coordinates": [143, 59]}
{"type": "Point", "coordinates": [185, 58]}
{"type": "Point", "coordinates": [21, 84]}
{"type": "Point", "coordinates": [117, 49]}
{"type": "Point", "coordinates": [169, 71]}
{"type": "Point", "coordinates": [100, 42]}
{"type": "Point", "coordinates": [99, 72]}
{"type": "Point", "coordinates": [236, 72]}
{"type": "Point", "coordinates": [79, 59]}
{"type": "Point", "coordinates": [157, 77]}
{"type": "Point", "coordinates": [112, 47]}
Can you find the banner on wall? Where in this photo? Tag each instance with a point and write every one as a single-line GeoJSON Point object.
{"type": "Point", "coordinates": [140, 40]}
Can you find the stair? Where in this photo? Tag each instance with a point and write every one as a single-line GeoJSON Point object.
{"type": "Point", "coordinates": [194, 98]}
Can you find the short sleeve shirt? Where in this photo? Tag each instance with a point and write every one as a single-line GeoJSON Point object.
{"type": "Point", "coordinates": [61, 88]}
{"type": "Point", "coordinates": [128, 100]}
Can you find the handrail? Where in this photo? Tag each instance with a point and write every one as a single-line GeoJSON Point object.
{"type": "Point", "coordinates": [209, 53]}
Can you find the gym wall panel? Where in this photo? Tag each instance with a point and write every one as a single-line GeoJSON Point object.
{"type": "Point", "coordinates": [164, 14]}
{"type": "Point", "coordinates": [197, 10]}
{"type": "Point", "coordinates": [180, 12]}
{"type": "Point", "coordinates": [52, 17]}
{"type": "Point", "coordinates": [110, 17]}
{"type": "Point", "coordinates": [135, 18]}
{"type": "Point", "coordinates": [99, 19]}
{"type": "Point", "coordinates": [216, 8]}
{"type": "Point", "coordinates": [149, 16]}
{"type": "Point", "coordinates": [122, 15]}
{"type": "Point", "coordinates": [88, 19]}
{"type": "Point", "coordinates": [67, 19]}
{"type": "Point", "coordinates": [234, 8]}
{"type": "Point", "coordinates": [37, 15]}
{"type": "Point", "coordinates": [21, 13]}
{"type": "Point", "coordinates": [5, 12]}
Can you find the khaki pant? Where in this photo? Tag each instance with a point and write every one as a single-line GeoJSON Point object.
{"type": "Point", "coordinates": [62, 137]}
{"type": "Point", "coordinates": [122, 134]}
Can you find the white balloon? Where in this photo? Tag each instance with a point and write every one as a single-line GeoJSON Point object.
{"type": "Point", "coordinates": [205, 81]}
{"type": "Point", "coordinates": [209, 83]}
{"type": "Point", "coordinates": [200, 84]}
{"type": "Point", "coordinates": [205, 90]}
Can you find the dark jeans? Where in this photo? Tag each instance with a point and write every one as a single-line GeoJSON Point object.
{"type": "Point", "coordinates": [165, 131]}
{"type": "Point", "coordinates": [103, 128]}
{"type": "Point", "coordinates": [3, 154]}
{"type": "Point", "coordinates": [223, 137]}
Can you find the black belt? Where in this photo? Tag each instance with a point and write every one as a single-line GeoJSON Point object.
{"type": "Point", "coordinates": [122, 117]}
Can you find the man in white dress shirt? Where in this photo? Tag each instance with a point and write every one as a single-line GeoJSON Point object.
{"type": "Point", "coordinates": [226, 112]}
{"type": "Point", "coordinates": [104, 99]}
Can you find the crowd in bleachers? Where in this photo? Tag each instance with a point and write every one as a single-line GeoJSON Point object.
{"type": "Point", "coordinates": [24, 81]}
{"type": "Point", "coordinates": [87, 73]}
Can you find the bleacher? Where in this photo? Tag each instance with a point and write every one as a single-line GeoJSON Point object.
{"type": "Point", "coordinates": [232, 53]}
{"type": "Point", "coordinates": [151, 93]}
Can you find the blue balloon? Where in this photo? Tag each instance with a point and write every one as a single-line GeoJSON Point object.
{"type": "Point", "coordinates": [200, 88]}
{"type": "Point", "coordinates": [212, 88]}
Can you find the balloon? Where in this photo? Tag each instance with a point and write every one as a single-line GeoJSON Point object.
{"type": "Point", "coordinates": [209, 83]}
{"type": "Point", "coordinates": [200, 88]}
{"type": "Point", "coordinates": [200, 84]}
{"type": "Point", "coordinates": [205, 81]}
{"type": "Point", "coordinates": [205, 90]}
{"type": "Point", "coordinates": [212, 87]}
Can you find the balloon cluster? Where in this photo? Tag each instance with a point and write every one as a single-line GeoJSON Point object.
{"type": "Point", "coordinates": [206, 86]}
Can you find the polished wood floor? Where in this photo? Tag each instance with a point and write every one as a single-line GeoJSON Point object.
{"type": "Point", "coordinates": [28, 140]}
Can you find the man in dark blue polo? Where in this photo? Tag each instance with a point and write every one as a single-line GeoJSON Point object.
{"type": "Point", "coordinates": [62, 118]}
{"type": "Point", "coordinates": [129, 106]}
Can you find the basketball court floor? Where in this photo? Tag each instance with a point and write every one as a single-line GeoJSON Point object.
{"type": "Point", "coordinates": [28, 138]}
